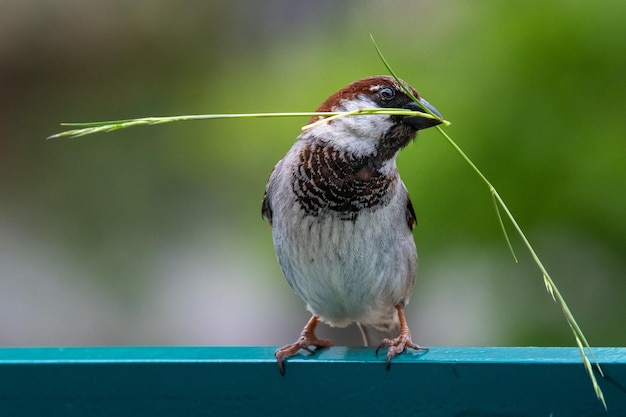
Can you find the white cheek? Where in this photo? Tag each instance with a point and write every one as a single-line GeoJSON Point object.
{"type": "Point", "coordinates": [356, 134]}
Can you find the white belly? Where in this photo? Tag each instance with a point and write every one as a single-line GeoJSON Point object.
{"type": "Point", "coordinates": [348, 270]}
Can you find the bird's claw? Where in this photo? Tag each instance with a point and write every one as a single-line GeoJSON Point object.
{"type": "Point", "coordinates": [397, 345]}
{"type": "Point", "coordinates": [305, 341]}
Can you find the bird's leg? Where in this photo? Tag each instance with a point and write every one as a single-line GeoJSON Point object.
{"type": "Point", "coordinates": [397, 345]}
{"type": "Point", "coordinates": [307, 338]}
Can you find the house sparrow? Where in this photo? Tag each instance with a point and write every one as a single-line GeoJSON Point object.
{"type": "Point", "coordinates": [342, 219]}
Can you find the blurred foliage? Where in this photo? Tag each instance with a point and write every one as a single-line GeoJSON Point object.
{"type": "Point", "coordinates": [153, 235]}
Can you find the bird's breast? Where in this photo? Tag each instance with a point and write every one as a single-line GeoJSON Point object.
{"type": "Point", "coordinates": [327, 179]}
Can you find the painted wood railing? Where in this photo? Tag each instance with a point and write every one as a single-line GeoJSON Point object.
{"type": "Point", "coordinates": [244, 381]}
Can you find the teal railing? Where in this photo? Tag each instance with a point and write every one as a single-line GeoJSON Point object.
{"type": "Point", "coordinates": [244, 381]}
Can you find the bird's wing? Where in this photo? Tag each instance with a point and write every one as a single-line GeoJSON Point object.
{"type": "Point", "coordinates": [266, 208]}
{"type": "Point", "coordinates": [411, 219]}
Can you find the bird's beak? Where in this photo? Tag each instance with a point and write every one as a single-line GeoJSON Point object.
{"type": "Point", "coordinates": [420, 122]}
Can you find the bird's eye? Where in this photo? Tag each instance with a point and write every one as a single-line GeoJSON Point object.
{"type": "Point", "coordinates": [386, 93]}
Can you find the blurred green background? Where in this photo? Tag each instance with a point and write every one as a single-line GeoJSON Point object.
{"type": "Point", "coordinates": [153, 235]}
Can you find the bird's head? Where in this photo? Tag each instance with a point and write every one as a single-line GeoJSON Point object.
{"type": "Point", "coordinates": [372, 134]}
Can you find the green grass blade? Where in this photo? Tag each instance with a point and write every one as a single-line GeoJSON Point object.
{"type": "Point", "coordinates": [89, 128]}
{"type": "Point", "coordinates": [551, 287]}
{"type": "Point", "coordinates": [506, 235]}
{"type": "Point", "coordinates": [373, 111]}
{"type": "Point", "coordinates": [109, 126]}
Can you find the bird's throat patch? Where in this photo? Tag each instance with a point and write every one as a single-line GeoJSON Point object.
{"type": "Point", "coordinates": [327, 179]}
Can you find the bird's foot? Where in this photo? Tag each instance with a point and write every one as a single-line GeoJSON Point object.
{"type": "Point", "coordinates": [305, 341]}
{"type": "Point", "coordinates": [397, 345]}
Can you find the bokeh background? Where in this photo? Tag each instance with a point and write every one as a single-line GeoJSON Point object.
{"type": "Point", "coordinates": [153, 235]}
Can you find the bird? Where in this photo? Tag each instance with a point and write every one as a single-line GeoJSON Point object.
{"type": "Point", "coordinates": [341, 218]}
